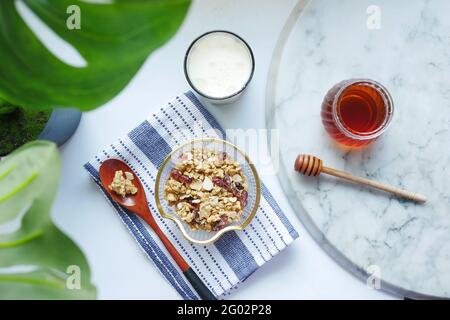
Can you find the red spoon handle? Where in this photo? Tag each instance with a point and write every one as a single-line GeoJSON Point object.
{"type": "Point", "coordinates": [169, 246]}
{"type": "Point", "coordinates": [189, 273]}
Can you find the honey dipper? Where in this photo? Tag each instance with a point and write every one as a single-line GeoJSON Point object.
{"type": "Point", "coordinates": [311, 166]}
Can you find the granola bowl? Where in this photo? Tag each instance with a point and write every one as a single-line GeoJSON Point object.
{"type": "Point", "coordinates": [207, 187]}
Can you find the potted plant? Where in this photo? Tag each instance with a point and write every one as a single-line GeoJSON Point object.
{"type": "Point", "coordinates": [20, 125]}
{"type": "Point", "coordinates": [40, 96]}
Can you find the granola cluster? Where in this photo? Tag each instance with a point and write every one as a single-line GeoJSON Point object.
{"type": "Point", "coordinates": [207, 189]}
{"type": "Point", "coordinates": [123, 185]}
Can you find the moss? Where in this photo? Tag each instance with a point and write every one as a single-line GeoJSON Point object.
{"type": "Point", "coordinates": [19, 126]}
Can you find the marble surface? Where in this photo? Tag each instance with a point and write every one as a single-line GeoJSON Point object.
{"type": "Point", "coordinates": [405, 45]}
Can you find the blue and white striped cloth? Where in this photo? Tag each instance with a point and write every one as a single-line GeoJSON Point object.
{"type": "Point", "coordinates": [232, 258]}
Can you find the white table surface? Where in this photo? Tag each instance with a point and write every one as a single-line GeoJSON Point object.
{"type": "Point", "coordinates": [120, 270]}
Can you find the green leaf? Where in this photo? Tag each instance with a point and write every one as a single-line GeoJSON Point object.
{"type": "Point", "coordinates": [28, 185]}
{"type": "Point", "coordinates": [6, 108]}
{"type": "Point", "coordinates": [114, 39]}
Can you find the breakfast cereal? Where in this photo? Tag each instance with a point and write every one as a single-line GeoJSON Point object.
{"type": "Point", "coordinates": [207, 189]}
{"type": "Point", "coordinates": [123, 185]}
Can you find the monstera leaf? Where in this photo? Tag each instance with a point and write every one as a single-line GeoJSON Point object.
{"type": "Point", "coordinates": [115, 38]}
{"type": "Point", "coordinates": [37, 260]}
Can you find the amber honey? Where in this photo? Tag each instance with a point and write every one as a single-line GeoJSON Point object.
{"type": "Point", "coordinates": [356, 112]}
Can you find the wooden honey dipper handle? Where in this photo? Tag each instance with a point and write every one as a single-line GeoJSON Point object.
{"type": "Point", "coordinates": [312, 166]}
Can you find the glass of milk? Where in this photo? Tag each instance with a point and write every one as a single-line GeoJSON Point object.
{"type": "Point", "coordinates": [219, 65]}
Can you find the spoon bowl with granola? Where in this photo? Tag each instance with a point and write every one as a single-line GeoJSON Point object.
{"type": "Point", "coordinates": [208, 187]}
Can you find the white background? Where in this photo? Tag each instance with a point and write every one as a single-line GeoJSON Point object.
{"type": "Point", "coordinates": [120, 270]}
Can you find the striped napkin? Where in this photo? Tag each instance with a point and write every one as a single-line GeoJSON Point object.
{"type": "Point", "coordinates": [232, 258]}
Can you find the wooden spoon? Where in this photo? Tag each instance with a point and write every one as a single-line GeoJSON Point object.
{"type": "Point", "coordinates": [312, 166]}
{"type": "Point", "coordinates": [138, 204]}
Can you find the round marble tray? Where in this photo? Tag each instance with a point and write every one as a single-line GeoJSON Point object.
{"type": "Point", "coordinates": [405, 45]}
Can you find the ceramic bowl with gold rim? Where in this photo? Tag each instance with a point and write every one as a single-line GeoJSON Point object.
{"type": "Point", "coordinates": [251, 179]}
